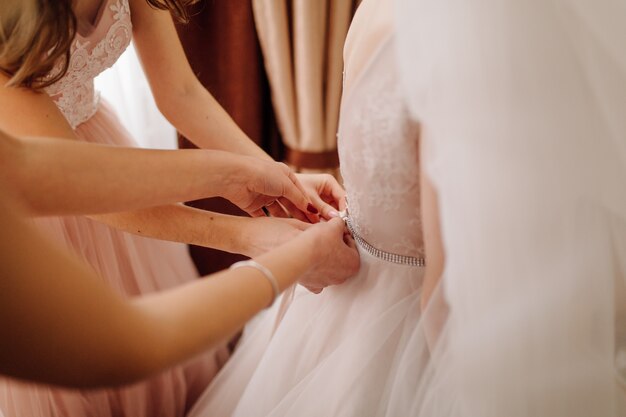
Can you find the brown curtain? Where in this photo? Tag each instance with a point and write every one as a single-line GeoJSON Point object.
{"type": "Point", "coordinates": [302, 42]}
{"type": "Point", "coordinates": [222, 46]}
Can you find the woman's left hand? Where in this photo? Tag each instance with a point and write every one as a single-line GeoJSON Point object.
{"type": "Point", "coordinates": [325, 193]}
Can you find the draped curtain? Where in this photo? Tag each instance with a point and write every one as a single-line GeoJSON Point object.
{"type": "Point", "coordinates": [234, 46]}
{"type": "Point", "coordinates": [302, 43]}
{"type": "Point", "coordinates": [222, 46]}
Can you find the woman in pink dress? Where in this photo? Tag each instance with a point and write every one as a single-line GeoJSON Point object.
{"type": "Point", "coordinates": [130, 264]}
{"type": "Point", "coordinates": [175, 324]}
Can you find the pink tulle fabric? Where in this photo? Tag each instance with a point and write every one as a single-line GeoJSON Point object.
{"type": "Point", "coordinates": [131, 265]}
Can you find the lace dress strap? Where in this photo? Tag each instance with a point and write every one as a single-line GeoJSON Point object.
{"type": "Point", "coordinates": [74, 94]}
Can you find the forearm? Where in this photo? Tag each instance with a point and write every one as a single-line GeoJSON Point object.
{"type": "Point", "coordinates": [198, 116]}
{"type": "Point", "coordinates": [65, 326]}
{"type": "Point", "coordinates": [204, 313]}
{"type": "Point", "coordinates": [179, 95]}
{"type": "Point", "coordinates": [179, 223]}
{"type": "Point", "coordinates": [57, 176]}
{"type": "Point", "coordinates": [68, 328]}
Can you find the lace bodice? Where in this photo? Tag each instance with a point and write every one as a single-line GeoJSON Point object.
{"type": "Point", "coordinates": [75, 94]}
{"type": "Point", "coordinates": [378, 148]}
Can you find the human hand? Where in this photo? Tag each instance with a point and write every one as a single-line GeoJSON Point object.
{"type": "Point", "coordinates": [265, 233]}
{"type": "Point", "coordinates": [253, 183]}
{"type": "Point", "coordinates": [325, 193]}
{"type": "Point", "coordinates": [335, 258]}
{"type": "Point", "coordinates": [327, 196]}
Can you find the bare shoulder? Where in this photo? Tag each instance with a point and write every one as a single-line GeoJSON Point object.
{"type": "Point", "coordinates": [140, 12]}
{"type": "Point", "coordinates": [26, 112]}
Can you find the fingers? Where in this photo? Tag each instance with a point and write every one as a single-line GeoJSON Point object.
{"type": "Point", "coordinates": [337, 224]}
{"type": "Point", "coordinates": [300, 225]}
{"type": "Point", "coordinates": [351, 259]}
{"type": "Point", "coordinates": [349, 240]}
{"type": "Point", "coordinates": [338, 258]}
{"type": "Point", "coordinates": [257, 213]}
{"type": "Point", "coordinates": [343, 203]}
{"type": "Point", "coordinates": [294, 211]}
{"type": "Point", "coordinates": [340, 229]}
{"type": "Point", "coordinates": [295, 192]}
{"type": "Point", "coordinates": [325, 194]}
{"type": "Point", "coordinates": [314, 290]}
{"type": "Point", "coordinates": [276, 210]}
{"type": "Point", "coordinates": [326, 210]}
{"type": "Point", "coordinates": [335, 190]}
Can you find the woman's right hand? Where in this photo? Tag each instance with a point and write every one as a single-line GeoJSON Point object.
{"type": "Point", "coordinates": [253, 183]}
{"type": "Point", "coordinates": [334, 257]}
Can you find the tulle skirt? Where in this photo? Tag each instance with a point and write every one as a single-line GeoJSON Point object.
{"type": "Point", "coordinates": [131, 265]}
{"type": "Point", "coordinates": [332, 354]}
{"type": "Point", "coordinates": [548, 347]}
{"type": "Point", "coordinates": [523, 135]}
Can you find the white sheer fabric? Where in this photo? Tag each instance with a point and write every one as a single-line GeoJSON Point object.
{"type": "Point", "coordinates": [522, 106]}
{"type": "Point", "coordinates": [125, 87]}
{"type": "Point", "coordinates": [105, 64]}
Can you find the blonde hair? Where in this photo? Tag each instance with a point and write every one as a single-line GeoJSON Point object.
{"type": "Point", "coordinates": [178, 8]}
{"type": "Point", "coordinates": [36, 36]}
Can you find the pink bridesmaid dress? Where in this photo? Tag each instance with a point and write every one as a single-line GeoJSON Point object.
{"type": "Point", "coordinates": [132, 265]}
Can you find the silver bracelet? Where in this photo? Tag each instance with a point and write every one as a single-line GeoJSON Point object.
{"type": "Point", "coordinates": [266, 273]}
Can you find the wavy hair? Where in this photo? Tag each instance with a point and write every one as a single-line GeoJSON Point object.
{"type": "Point", "coordinates": [36, 38]}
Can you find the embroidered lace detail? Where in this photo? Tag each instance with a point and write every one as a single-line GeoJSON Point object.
{"type": "Point", "coordinates": [378, 146]}
{"type": "Point", "coordinates": [75, 94]}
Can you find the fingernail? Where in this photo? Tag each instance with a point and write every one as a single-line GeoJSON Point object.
{"type": "Point", "coordinates": [333, 214]}
{"type": "Point", "coordinates": [311, 208]}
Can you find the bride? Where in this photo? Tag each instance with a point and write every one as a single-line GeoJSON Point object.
{"type": "Point", "coordinates": [521, 110]}
{"type": "Point", "coordinates": [332, 354]}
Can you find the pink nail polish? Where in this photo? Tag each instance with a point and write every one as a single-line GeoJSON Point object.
{"type": "Point", "coordinates": [333, 214]}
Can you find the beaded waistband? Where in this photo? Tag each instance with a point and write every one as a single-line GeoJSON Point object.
{"type": "Point", "coordinates": [380, 254]}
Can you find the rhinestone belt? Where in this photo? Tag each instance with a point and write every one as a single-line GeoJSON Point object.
{"type": "Point", "coordinates": [380, 254]}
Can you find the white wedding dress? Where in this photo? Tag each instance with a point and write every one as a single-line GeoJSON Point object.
{"type": "Point", "coordinates": [334, 354]}
{"type": "Point", "coordinates": [522, 106]}
{"type": "Point", "coordinates": [522, 111]}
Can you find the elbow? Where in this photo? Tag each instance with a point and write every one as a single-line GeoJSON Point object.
{"type": "Point", "coordinates": [165, 107]}
{"type": "Point", "coordinates": [172, 102]}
